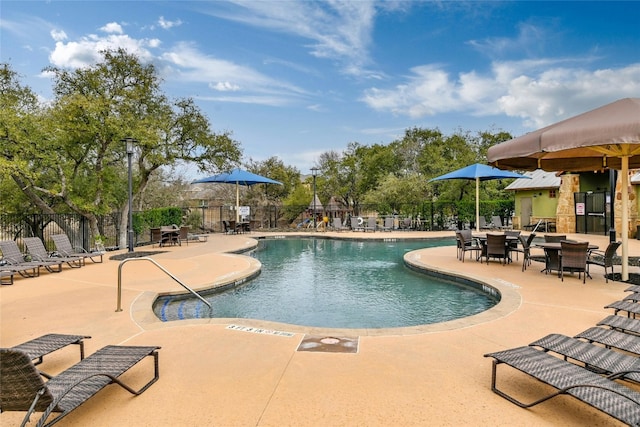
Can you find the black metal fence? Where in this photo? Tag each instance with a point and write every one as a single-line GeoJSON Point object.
{"type": "Point", "coordinates": [431, 216]}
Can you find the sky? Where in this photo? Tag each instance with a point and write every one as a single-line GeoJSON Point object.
{"type": "Point", "coordinates": [295, 79]}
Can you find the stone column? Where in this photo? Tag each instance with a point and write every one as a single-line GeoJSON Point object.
{"type": "Point", "coordinates": [565, 212]}
{"type": "Point", "coordinates": [633, 208]}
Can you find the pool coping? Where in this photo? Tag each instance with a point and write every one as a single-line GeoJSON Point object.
{"type": "Point", "coordinates": [509, 299]}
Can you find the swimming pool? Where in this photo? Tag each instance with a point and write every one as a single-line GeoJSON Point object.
{"type": "Point", "coordinates": [336, 284]}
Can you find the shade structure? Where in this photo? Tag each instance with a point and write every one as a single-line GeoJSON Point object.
{"type": "Point", "coordinates": [238, 177]}
{"type": "Point", "coordinates": [607, 137]}
{"type": "Point", "coordinates": [478, 172]}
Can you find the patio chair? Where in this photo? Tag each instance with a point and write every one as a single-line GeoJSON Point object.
{"type": "Point", "coordinates": [38, 252]}
{"type": "Point", "coordinates": [497, 247]}
{"type": "Point", "coordinates": [603, 259]}
{"type": "Point", "coordinates": [553, 238]}
{"type": "Point", "coordinates": [11, 253]}
{"type": "Point", "coordinates": [65, 248]}
{"type": "Point", "coordinates": [632, 308]}
{"type": "Point", "coordinates": [184, 235]}
{"type": "Point", "coordinates": [466, 244]}
{"type": "Point", "coordinates": [39, 347]}
{"type": "Point", "coordinates": [602, 393]}
{"type": "Point", "coordinates": [573, 258]}
{"type": "Point", "coordinates": [525, 242]}
{"type": "Point", "coordinates": [23, 389]}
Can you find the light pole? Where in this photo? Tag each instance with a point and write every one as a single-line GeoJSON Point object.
{"type": "Point", "coordinates": [314, 172]}
{"type": "Point", "coordinates": [204, 205]}
{"type": "Point", "coordinates": [129, 143]}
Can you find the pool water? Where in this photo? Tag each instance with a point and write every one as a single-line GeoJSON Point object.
{"type": "Point", "coordinates": [336, 284]}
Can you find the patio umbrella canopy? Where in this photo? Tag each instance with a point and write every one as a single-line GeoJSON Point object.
{"type": "Point", "coordinates": [478, 172]}
{"type": "Point", "coordinates": [605, 138]}
{"type": "Point", "coordinates": [238, 177]}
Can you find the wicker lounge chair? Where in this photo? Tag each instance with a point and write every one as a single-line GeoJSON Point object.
{"type": "Point", "coordinates": [610, 397]}
{"type": "Point", "coordinates": [39, 347]}
{"type": "Point", "coordinates": [611, 338]}
{"type": "Point", "coordinates": [6, 277]}
{"type": "Point", "coordinates": [597, 358]}
{"type": "Point", "coordinates": [623, 324]}
{"type": "Point", "coordinates": [632, 308]}
{"type": "Point", "coordinates": [38, 252]}
{"type": "Point", "coordinates": [603, 259]}
{"type": "Point", "coordinates": [23, 269]}
{"type": "Point", "coordinates": [11, 253]}
{"type": "Point", "coordinates": [23, 389]}
{"type": "Point", "coordinates": [64, 248]}
{"type": "Point", "coordinates": [633, 288]}
{"type": "Point", "coordinates": [371, 224]}
{"type": "Point", "coordinates": [574, 258]}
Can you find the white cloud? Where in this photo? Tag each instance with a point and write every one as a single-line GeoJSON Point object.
{"type": "Point", "coordinates": [225, 87]}
{"type": "Point", "coordinates": [338, 30]}
{"type": "Point", "coordinates": [168, 24]}
{"type": "Point", "coordinates": [86, 51]}
{"type": "Point", "coordinates": [112, 28]}
{"type": "Point", "coordinates": [538, 92]}
{"type": "Point", "coordinates": [58, 35]}
{"type": "Point", "coordinates": [221, 75]}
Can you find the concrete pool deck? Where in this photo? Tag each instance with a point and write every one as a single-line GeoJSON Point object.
{"type": "Point", "coordinates": [215, 376]}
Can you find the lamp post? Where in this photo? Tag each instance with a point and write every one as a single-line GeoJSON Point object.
{"type": "Point", "coordinates": [129, 144]}
{"type": "Point", "coordinates": [314, 172]}
{"type": "Point", "coordinates": [204, 205]}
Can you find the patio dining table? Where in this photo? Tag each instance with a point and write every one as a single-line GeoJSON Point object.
{"type": "Point", "coordinates": [552, 254]}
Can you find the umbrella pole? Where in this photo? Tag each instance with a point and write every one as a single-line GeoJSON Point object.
{"type": "Point", "coordinates": [237, 203]}
{"type": "Point", "coordinates": [478, 205]}
{"type": "Point", "coordinates": [624, 182]}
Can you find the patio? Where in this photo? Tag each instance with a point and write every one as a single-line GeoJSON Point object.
{"type": "Point", "coordinates": [212, 375]}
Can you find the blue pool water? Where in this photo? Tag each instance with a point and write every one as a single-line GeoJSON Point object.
{"type": "Point", "coordinates": [336, 284]}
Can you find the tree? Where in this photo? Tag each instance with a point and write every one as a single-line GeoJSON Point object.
{"type": "Point", "coordinates": [80, 161]}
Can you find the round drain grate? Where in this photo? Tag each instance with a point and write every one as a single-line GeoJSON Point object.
{"type": "Point", "coordinates": [329, 340]}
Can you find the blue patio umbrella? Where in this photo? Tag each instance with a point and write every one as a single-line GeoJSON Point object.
{"type": "Point", "coordinates": [478, 172]}
{"type": "Point", "coordinates": [238, 177]}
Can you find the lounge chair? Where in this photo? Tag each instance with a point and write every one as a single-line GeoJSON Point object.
{"type": "Point", "coordinates": [496, 222]}
{"type": "Point", "coordinates": [574, 258]}
{"type": "Point", "coordinates": [6, 277]}
{"type": "Point", "coordinates": [11, 253]}
{"type": "Point", "coordinates": [39, 253]}
{"type": "Point", "coordinates": [623, 324]}
{"type": "Point", "coordinates": [64, 248]}
{"type": "Point", "coordinates": [482, 222]}
{"type": "Point", "coordinates": [632, 308]}
{"type": "Point", "coordinates": [37, 348]}
{"type": "Point", "coordinates": [371, 224]}
{"type": "Point", "coordinates": [337, 224]}
{"type": "Point", "coordinates": [25, 269]}
{"type": "Point", "coordinates": [388, 224]}
{"type": "Point", "coordinates": [23, 389]}
{"type": "Point", "coordinates": [602, 393]}
{"type": "Point", "coordinates": [596, 358]}
{"type": "Point", "coordinates": [603, 259]}
{"type": "Point", "coordinates": [612, 338]}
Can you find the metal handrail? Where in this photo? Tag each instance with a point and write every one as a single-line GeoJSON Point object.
{"type": "Point", "coordinates": [119, 307]}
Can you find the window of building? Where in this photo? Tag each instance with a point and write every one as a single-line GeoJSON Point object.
{"type": "Point", "coordinates": [552, 194]}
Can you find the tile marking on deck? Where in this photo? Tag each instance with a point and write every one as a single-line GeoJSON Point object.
{"type": "Point", "coordinates": [260, 330]}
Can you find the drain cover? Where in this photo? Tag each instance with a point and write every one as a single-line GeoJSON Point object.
{"type": "Point", "coordinates": [320, 343]}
